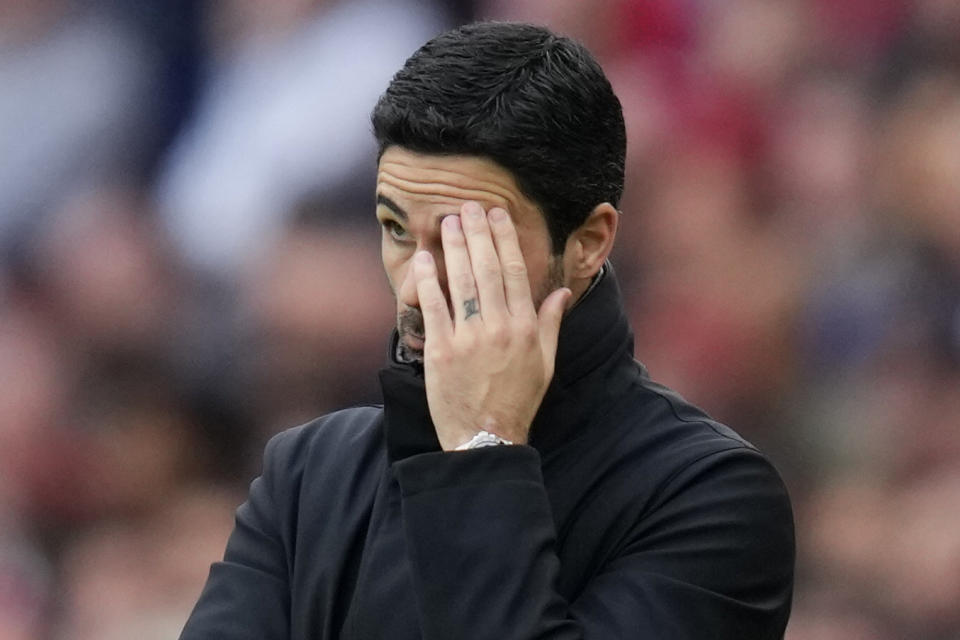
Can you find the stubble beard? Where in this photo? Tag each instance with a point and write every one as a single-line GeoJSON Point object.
{"type": "Point", "coordinates": [410, 319]}
{"type": "Point", "coordinates": [409, 324]}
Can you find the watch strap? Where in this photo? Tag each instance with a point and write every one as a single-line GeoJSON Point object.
{"type": "Point", "coordinates": [482, 439]}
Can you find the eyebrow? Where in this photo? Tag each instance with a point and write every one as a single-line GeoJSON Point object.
{"type": "Point", "coordinates": [393, 206]}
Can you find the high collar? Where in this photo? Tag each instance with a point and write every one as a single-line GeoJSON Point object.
{"type": "Point", "coordinates": [593, 336]}
{"type": "Point", "coordinates": [593, 331]}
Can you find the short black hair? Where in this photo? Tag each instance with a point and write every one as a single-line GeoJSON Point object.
{"type": "Point", "coordinates": [536, 103]}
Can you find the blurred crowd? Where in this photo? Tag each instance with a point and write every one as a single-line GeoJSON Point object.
{"type": "Point", "coordinates": [189, 263]}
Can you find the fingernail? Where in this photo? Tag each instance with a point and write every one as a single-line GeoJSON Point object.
{"type": "Point", "coordinates": [452, 222]}
{"type": "Point", "coordinates": [473, 210]}
{"type": "Point", "coordinates": [424, 257]}
{"type": "Point", "coordinates": [497, 214]}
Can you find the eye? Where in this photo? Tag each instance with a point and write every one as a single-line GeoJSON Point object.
{"type": "Point", "coordinates": [396, 230]}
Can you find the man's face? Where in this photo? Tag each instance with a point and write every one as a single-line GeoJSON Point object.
{"type": "Point", "coordinates": [415, 192]}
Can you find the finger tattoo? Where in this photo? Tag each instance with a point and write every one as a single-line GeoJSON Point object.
{"type": "Point", "coordinates": [470, 308]}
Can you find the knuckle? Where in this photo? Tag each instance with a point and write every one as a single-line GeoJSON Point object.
{"type": "Point", "coordinates": [526, 332]}
{"type": "Point", "coordinates": [467, 341]}
{"type": "Point", "coordinates": [527, 328]}
{"type": "Point", "coordinates": [454, 239]}
{"type": "Point", "coordinates": [505, 229]}
{"type": "Point", "coordinates": [488, 268]}
{"type": "Point", "coordinates": [463, 281]}
{"type": "Point", "coordinates": [531, 339]}
{"type": "Point", "coordinates": [434, 305]}
{"type": "Point", "coordinates": [499, 335]}
{"type": "Point", "coordinates": [475, 229]}
{"type": "Point", "coordinates": [437, 356]}
{"type": "Point", "coordinates": [515, 269]}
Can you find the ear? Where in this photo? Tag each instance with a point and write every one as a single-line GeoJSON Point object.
{"type": "Point", "coordinates": [589, 245]}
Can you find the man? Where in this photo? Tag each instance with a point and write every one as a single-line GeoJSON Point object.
{"type": "Point", "coordinates": [525, 478]}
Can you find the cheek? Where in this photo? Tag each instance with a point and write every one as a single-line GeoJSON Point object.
{"type": "Point", "coordinates": [395, 263]}
{"type": "Point", "coordinates": [536, 249]}
{"type": "Point", "coordinates": [392, 266]}
{"type": "Point", "coordinates": [536, 255]}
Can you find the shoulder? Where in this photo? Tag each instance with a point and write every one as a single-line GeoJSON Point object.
{"type": "Point", "coordinates": [356, 430]}
{"type": "Point", "coordinates": [712, 480]}
{"type": "Point", "coordinates": [668, 446]}
{"type": "Point", "coordinates": [704, 462]}
{"type": "Point", "coordinates": [719, 499]}
{"type": "Point", "coordinates": [673, 431]}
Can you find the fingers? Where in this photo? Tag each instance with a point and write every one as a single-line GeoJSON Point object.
{"type": "Point", "coordinates": [484, 261]}
{"type": "Point", "coordinates": [551, 313]}
{"type": "Point", "coordinates": [516, 281]}
{"type": "Point", "coordinates": [460, 280]}
{"type": "Point", "coordinates": [486, 271]}
{"type": "Point", "coordinates": [437, 324]}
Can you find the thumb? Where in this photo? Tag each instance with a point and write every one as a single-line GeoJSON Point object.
{"type": "Point", "coordinates": [549, 317]}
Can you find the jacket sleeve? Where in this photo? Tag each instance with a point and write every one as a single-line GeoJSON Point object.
{"type": "Point", "coordinates": [247, 594]}
{"type": "Point", "coordinates": [713, 558]}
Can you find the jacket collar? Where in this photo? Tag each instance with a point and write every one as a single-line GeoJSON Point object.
{"type": "Point", "coordinates": [593, 331]}
{"type": "Point", "coordinates": [594, 335]}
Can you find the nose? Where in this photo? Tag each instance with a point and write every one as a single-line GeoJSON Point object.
{"type": "Point", "coordinates": [407, 293]}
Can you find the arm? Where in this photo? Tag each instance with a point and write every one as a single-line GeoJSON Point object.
{"type": "Point", "coordinates": [247, 594]}
{"type": "Point", "coordinates": [713, 558]}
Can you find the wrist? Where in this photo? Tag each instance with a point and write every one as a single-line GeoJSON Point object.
{"type": "Point", "coordinates": [483, 439]}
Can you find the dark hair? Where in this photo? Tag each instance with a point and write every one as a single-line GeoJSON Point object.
{"type": "Point", "coordinates": [535, 103]}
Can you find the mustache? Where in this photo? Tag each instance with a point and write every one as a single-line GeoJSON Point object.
{"type": "Point", "coordinates": [410, 321]}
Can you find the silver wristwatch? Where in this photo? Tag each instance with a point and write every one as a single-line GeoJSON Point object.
{"type": "Point", "coordinates": [482, 439]}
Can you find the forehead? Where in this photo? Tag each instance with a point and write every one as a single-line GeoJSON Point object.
{"type": "Point", "coordinates": [439, 184]}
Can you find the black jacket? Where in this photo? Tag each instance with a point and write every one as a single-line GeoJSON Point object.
{"type": "Point", "coordinates": [631, 514]}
